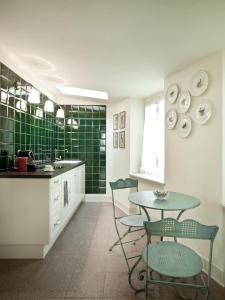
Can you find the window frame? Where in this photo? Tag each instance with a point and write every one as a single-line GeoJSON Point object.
{"type": "Point", "coordinates": [158, 177]}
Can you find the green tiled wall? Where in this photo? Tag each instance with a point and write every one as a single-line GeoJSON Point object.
{"type": "Point", "coordinates": [24, 131]}
{"type": "Point", "coordinates": [88, 142]}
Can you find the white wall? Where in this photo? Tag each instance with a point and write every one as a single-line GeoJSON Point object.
{"type": "Point", "coordinates": [118, 159]}
{"type": "Point", "coordinates": [137, 110]}
{"type": "Point", "coordinates": [121, 161]}
{"type": "Point", "coordinates": [193, 165]}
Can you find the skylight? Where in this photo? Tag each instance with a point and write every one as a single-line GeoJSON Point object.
{"type": "Point", "coordinates": [83, 92]}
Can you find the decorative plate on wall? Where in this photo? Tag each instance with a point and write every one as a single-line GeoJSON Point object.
{"type": "Point", "coordinates": [172, 93]}
{"type": "Point", "coordinates": [171, 118]}
{"type": "Point", "coordinates": [199, 83]}
{"type": "Point", "coordinates": [184, 102]}
{"type": "Point", "coordinates": [184, 127]}
{"type": "Point", "coordinates": [203, 112]}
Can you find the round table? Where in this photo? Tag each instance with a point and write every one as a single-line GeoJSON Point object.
{"type": "Point", "coordinates": [173, 201]}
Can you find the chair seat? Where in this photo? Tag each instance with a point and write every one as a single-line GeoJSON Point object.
{"type": "Point", "coordinates": [135, 220]}
{"type": "Point", "coordinates": [172, 259]}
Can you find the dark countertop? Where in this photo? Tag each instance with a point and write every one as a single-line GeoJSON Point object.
{"type": "Point", "coordinates": [39, 173]}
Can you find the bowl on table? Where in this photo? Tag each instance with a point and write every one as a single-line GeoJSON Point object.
{"type": "Point", "coordinates": [160, 194]}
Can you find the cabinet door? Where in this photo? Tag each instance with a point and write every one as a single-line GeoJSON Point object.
{"type": "Point", "coordinates": [80, 183]}
{"type": "Point", "coordinates": [82, 180]}
{"type": "Point", "coordinates": [65, 193]}
{"type": "Point", "coordinates": [55, 205]}
{"type": "Point", "coordinates": [73, 186]}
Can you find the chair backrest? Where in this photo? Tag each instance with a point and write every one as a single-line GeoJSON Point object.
{"type": "Point", "coordinates": [124, 184]}
{"type": "Point", "coordinates": [191, 229]}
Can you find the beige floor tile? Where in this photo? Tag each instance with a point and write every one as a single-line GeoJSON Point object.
{"type": "Point", "coordinates": [86, 285]}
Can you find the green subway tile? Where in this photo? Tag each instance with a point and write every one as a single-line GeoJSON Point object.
{"type": "Point", "coordinates": [96, 122]}
{"type": "Point", "coordinates": [96, 142]}
{"type": "Point", "coordinates": [75, 115]}
{"type": "Point", "coordinates": [81, 135]}
{"type": "Point", "coordinates": [89, 108]}
{"type": "Point", "coordinates": [10, 137]}
{"type": "Point", "coordinates": [95, 109]}
{"type": "Point", "coordinates": [23, 138]}
{"type": "Point", "coordinates": [96, 190]}
{"type": "Point", "coordinates": [11, 112]}
{"type": "Point", "coordinates": [81, 148]}
{"type": "Point", "coordinates": [88, 189]}
{"type": "Point", "coordinates": [96, 135]}
{"type": "Point", "coordinates": [102, 190]}
{"type": "Point", "coordinates": [17, 138]}
{"type": "Point", "coordinates": [3, 123]}
{"type": "Point", "coordinates": [102, 163]}
{"type": "Point", "coordinates": [88, 129]}
{"type": "Point", "coordinates": [10, 125]}
{"type": "Point", "coordinates": [95, 182]}
{"type": "Point", "coordinates": [89, 122]}
{"type": "Point", "coordinates": [11, 101]}
{"type": "Point", "coordinates": [96, 148]}
{"type": "Point", "coordinates": [82, 122]}
{"type": "Point", "coordinates": [23, 117]}
{"type": "Point", "coordinates": [89, 170]}
{"type": "Point", "coordinates": [3, 110]}
{"type": "Point", "coordinates": [67, 156]}
{"type": "Point", "coordinates": [28, 118]}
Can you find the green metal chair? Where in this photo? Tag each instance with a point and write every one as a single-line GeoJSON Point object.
{"type": "Point", "coordinates": [134, 222]}
{"type": "Point", "coordinates": [178, 265]}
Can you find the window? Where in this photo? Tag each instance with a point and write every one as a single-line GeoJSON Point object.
{"type": "Point", "coordinates": [153, 153]}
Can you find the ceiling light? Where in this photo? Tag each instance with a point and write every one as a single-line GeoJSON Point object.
{"type": "Point", "coordinates": [83, 92]}
{"type": "Point", "coordinates": [73, 123]}
{"type": "Point", "coordinates": [21, 105]}
{"type": "Point", "coordinates": [34, 96]}
{"type": "Point", "coordinates": [39, 113]}
{"type": "Point", "coordinates": [60, 113]}
{"type": "Point", "coordinates": [49, 106]}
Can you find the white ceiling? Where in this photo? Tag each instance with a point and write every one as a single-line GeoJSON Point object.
{"type": "Point", "coordinates": [123, 47]}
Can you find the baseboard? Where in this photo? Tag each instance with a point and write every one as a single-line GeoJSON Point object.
{"type": "Point", "coordinates": [97, 198]}
{"type": "Point", "coordinates": [122, 206]}
{"type": "Point", "coordinates": [217, 274]}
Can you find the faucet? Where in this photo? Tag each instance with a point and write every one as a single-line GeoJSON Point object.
{"type": "Point", "coordinates": [57, 158]}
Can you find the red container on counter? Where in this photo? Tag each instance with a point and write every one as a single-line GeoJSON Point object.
{"type": "Point", "coordinates": [22, 164]}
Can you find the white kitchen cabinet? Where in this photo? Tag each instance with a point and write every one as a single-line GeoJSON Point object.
{"type": "Point", "coordinates": [33, 212]}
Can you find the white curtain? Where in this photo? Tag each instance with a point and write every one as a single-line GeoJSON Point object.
{"type": "Point", "coordinates": [153, 142]}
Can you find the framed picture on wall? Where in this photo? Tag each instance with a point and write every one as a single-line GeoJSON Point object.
{"type": "Point", "coordinates": [115, 140]}
{"type": "Point", "coordinates": [115, 122]}
{"type": "Point", "coordinates": [122, 119]}
{"type": "Point", "coordinates": [122, 139]}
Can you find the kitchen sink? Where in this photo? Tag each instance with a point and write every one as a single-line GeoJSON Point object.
{"type": "Point", "coordinates": [58, 162]}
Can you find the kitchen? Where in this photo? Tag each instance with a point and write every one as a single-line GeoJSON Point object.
{"type": "Point", "coordinates": [86, 48]}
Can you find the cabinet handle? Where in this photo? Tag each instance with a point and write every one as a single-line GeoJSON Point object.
{"type": "Point", "coordinates": [56, 181]}
{"type": "Point", "coordinates": [75, 175]}
{"type": "Point", "coordinates": [57, 223]}
{"type": "Point", "coordinates": [56, 198]}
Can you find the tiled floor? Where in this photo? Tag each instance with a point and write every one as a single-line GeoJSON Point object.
{"type": "Point", "coordinates": [80, 266]}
